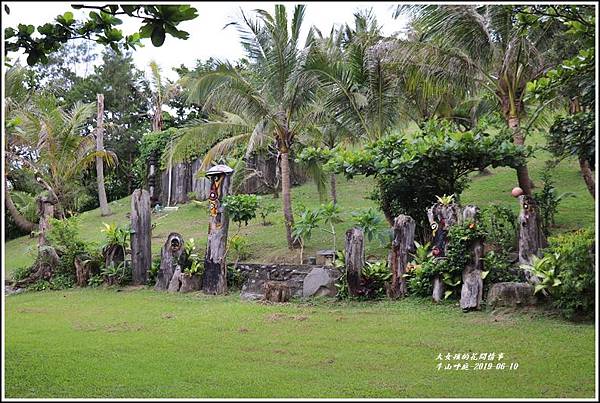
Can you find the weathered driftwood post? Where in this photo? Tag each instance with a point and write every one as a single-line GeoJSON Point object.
{"type": "Point", "coordinates": [441, 217]}
{"type": "Point", "coordinates": [141, 234]}
{"type": "Point", "coordinates": [170, 256]}
{"type": "Point", "coordinates": [531, 236]}
{"type": "Point", "coordinates": [214, 280]}
{"type": "Point", "coordinates": [152, 162]}
{"type": "Point", "coordinates": [472, 287]}
{"type": "Point", "coordinates": [403, 243]}
{"type": "Point", "coordinates": [355, 259]}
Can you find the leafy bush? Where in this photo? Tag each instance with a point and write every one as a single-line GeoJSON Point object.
{"type": "Point", "coordinates": [239, 248]}
{"type": "Point", "coordinates": [410, 172]}
{"type": "Point", "coordinates": [21, 273]}
{"type": "Point", "coordinates": [119, 274]}
{"type": "Point", "coordinates": [374, 277]}
{"type": "Point", "coordinates": [193, 260]}
{"type": "Point", "coordinates": [235, 277]}
{"type": "Point", "coordinates": [241, 208]}
{"type": "Point", "coordinates": [63, 235]}
{"type": "Point", "coordinates": [497, 269]}
{"type": "Point", "coordinates": [499, 223]}
{"type": "Point", "coordinates": [576, 272]}
{"type": "Point", "coordinates": [95, 280]}
{"type": "Point", "coordinates": [369, 221]}
{"type": "Point", "coordinates": [548, 201]}
{"type": "Point", "coordinates": [304, 226]}
{"type": "Point", "coordinates": [574, 135]}
{"type": "Point", "coordinates": [265, 210]}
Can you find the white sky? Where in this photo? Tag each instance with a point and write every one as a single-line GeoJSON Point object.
{"type": "Point", "coordinates": [207, 36]}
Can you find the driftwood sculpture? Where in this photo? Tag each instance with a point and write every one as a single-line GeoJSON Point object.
{"type": "Point", "coordinates": [214, 280]}
{"type": "Point", "coordinates": [141, 234]}
{"type": "Point", "coordinates": [170, 257]}
{"type": "Point", "coordinates": [403, 243]}
{"type": "Point", "coordinates": [441, 218]}
{"type": "Point", "coordinates": [472, 283]}
{"type": "Point", "coordinates": [355, 259]}
{"type": "Point", "coordinates": [531, 236]}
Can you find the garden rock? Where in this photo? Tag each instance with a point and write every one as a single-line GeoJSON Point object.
{"type": "Point", "coordinates": [318, 283]}
{"type": "Point", "coordinates": [511, 294]}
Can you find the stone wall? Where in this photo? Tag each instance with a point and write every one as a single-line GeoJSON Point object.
{"type": "Point", "coordinates": [304, 280]}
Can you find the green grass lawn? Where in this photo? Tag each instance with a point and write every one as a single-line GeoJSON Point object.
{"type": "Point", "coordinates": [140, 343]}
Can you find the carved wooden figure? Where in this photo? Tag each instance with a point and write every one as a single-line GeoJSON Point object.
{"type": "Point", "coordinates": [403, 243]}
{"type": "Point", "coordinates": [214, 280]}
{"type": "Point", "coordinates": [170, 256]}
{"type": "Point", "coordinates": [441, 217]}
{"type": "Point", "coordinates": [531, 236]}
{"type": "Point", "coordinates": [141, 234]}
{"type": "Point", "coordinates": [472, 283]}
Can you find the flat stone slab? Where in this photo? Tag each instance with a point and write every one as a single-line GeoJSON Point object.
{"type": "Point", "coordinates": [511, 294]}
{"type": "Point", "coordinates": [318, 282]}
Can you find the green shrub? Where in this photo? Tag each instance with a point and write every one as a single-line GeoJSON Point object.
{"type": "Point", "coordinates": [576, 272]}
{"type": "Point", "coordinates": [496, 266]}
{"type": "Point", "coordinates": [548, 200]}
{"type": "Point", "coordinates": [369, 221]}
{"type": "Point", "coordinates": [239, 248]}
{"type": "Point", "coordinates": [241, 208]}
{"type": "Point", "coordinates": [63, 235]}
{"type": "Point", "coordinates": [374, 277]}
{"type": "Point", "coordinates": [499, 223]}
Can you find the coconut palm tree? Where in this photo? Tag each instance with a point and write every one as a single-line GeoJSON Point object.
{"type": "Point", "coordinates": [270, 97]}
{"type": "Point", "coordinates": [479, 47]}
{"type": "Point", "coordinates": [354, 70]}
{"type": "Point", "coordinates": [52, 145]}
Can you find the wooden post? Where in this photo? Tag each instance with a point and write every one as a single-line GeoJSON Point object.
{"type": "Point", "coordinates": [472, 287]}
{"type": "Point", "coordinates": [170, 255]}
{"type": "Point", "coordinates": [355, 259]}
{"type": "Point", "coordinates": [441, 217]}
{"type": "Point", "coordinates": [105, 210]}
{"type": "Point", "coordinates": [531, 236]}
{"type": "Point", "coordinates": [404, 240]}
{"type": "Point", "coordinates": [141, 234]}
{"type": "Point", "coordinates": [214, 280]}
{"type": "Point", "coordinates": [152, 169]}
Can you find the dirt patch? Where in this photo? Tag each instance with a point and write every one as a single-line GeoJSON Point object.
{"type": "Point", "coordinates": [32, 310]}
{"type": "Point", "coordinates": [243, 330]}
{"type": "Point", "coordinates": [168, 316]}
{"type": "Point", "coordinates": [131, 288]}
{"type": "Point", "coordinates": [112, 328]}
{"type": "Point", "coordinates": [274, 317]}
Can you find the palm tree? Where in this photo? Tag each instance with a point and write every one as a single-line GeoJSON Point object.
{"type": "Point", "coordinates": [353, 69]}
{"type": "Point", "coordinates": [479, 47]}
{"type": "Point", "coordinates": [270, 98]}
{"type": "Point", "coordinates": [57, 151]}
{"type": "Point", "coordinates": [162, 94]}
{"type": "Point", "coordinates": [15, 99]}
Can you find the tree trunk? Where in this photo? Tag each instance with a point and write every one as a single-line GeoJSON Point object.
{"type": "Point", "coordinates": [403, 243]}
{"type": "Point", "coordinates": [355, 259]}
{"type": "Point", "coordinates": [333, 189]}
{"type": "Point", "coordinates": [525, 182]}
{"type": "Point", "coordinates": [20, 220]}
{"type": "Point", "coordinates": [43, 268]}
{"type": "Point", "coordinates": [141, 234]}
{"type": "Point", "coordinates": [46, 212]}
{"type": "Point", "coordinates": [170, 255]}
{"type": "Point", "coordinates": [105, 210]}
{"type": "Point", "coordinates": [214, 280]}
{"type": "Point", "coordinates": [287, 199]}
{"type": "Point", "coordinates": [472, 287]}
{"type": "Point", "coordinates": [588, 176]}
{"type": "Point", "coordinates": [276, 291]}
{"type": "Point", "coordinates": [531, 236]}
{"type": "Point", "coordinates": [438, 289]}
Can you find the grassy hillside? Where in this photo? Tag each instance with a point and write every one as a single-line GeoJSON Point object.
{"type": "Point", "coordinates": [268, 244]}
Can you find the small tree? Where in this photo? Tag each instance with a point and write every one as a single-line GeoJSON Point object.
{"type": "Point", "coordinates": [304, 226]}
{"type": "Point", "coordinates": [241, 208]}
{"type": "Point", "coordinates": [330, 213]}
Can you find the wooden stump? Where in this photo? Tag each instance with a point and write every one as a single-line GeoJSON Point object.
{"type": "Point", "coordinates": [277, 291]}
{"type": "Point", "coordinates": [531, 236]}
{"type": "Point", "coordinates": [441, 218]}
{"type": "Point", "coordinates": [114, 255]}
{"type": "Point", "coordinates": [214, 280]}
{"type": "Point", "coordinates": [43, 267]}
{"type": "Point", "coordinates": [45, 207]}
{"type": "Point", "coordinates": [403, 243]}
{"type": "Point", "coordinates": [355, 259]}
{"type": "Point", "coordinates": [190, 282]}
{"type": "Point", "coordinates": [83, 270]}
{"type": "Point", "coordinates": [141, 234]}
{"type": "Point", "coordinates": [170, 256]}
{"type": "Point", "coordinates": [472, 287]}
{"type": "Point", "coordinates": [175, 283]}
